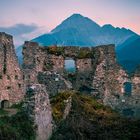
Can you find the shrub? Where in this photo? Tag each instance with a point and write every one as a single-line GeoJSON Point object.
{"type": "Point", "coordinates": [17, 127]}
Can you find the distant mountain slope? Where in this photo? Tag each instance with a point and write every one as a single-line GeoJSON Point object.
{"type": "Point", "coordinates": [129, 53]}
{"type": "Point", "coordinates": [130, 49]}
{"type": "Point", "coordinates": [82, 31]}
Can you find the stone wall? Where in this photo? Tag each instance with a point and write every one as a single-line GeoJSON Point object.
{"type": "Point", "coordinates": [11, 77]}
{"type": "Point", "coordinates": [38, 107]}
{"type": "Point", "coordinates": [53, 82]}
{"type": "Point", "coordinates": [109, 80]}
{"type": "Point", "coordinates": [84, 64]}
{"type": "Point", "coordinates": [97, 73]}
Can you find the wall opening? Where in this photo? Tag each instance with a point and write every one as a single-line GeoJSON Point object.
{"type": "Point", "coordinates": [0, 76]}
{"type": "Point", "coordinates": [5, 104]}
{"type": "Point", "coordinates": [19, 85]}
{"type": "Point", "coordinates": [16, 77]}
{"type": "Point", "coordinates": [127, 88]}
{"type": "Point", "coordinates": [70, 65]}
{"type": "Point", "coordinates": [128, 112]}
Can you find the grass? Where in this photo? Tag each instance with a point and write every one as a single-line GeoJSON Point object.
{"type": "Point", "coordinates": [17, 106]}
{"type": "Point", "coordinates": [3, 112]}
{"type": "Point", "coordinates": [89, 119]}
{"type": "Point", "coordinates": [58, 105]}
{"type": "Point", "coordinates": [85, 54]}
{"type": "Point", "coordinates": [16, 127]}
{"type": "Point", "coordinates": [56, 50]}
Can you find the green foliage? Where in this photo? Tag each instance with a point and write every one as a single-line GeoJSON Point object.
{"type": "Point", "coordinates": [85, 54]}
{"type": "Point", "coordinates": [56, 50]}
{"type": "Point", "coordinates": [48, 65]}
{"type": "Point", "coordinates": [90, 120]}
{"type": "Point", "coordinates": [58, 105]}
{"type": "Point", "coordinates": [3, 112]}
{"type": "Point", "coordinates": [17, 127]}
{"type": "Point", "coordinates": [17, 106]}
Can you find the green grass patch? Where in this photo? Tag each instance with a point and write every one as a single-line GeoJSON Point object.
{"type": "Point", "coordinates": [58, 105]}
{"type": "Point", "coordinates": [17, 127]}
{"type": "Point", "coordinates": [17, 106]}
{"type": "Point", "coordinates": [89, 119]}
{"type": "Point", "coordinates": [3, 112]}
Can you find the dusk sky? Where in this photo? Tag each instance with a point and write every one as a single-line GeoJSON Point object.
{"type": "Point", "coordinates": [26, 19]}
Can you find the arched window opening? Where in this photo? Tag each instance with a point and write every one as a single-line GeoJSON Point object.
{"type": "Point", "coordinates": [127, 88]}
{"type": "Point", "coordinates": [70, 65]}
{"type": "Point", "coordinates": [16, 77]}
{"type": "Point", "coordinates": [5, 104]}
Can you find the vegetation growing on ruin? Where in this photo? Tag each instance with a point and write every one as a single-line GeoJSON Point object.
{"type": "Point", "coordinates": [3, 112]}
{"type": "Point", "coordinates": [89, 120]}
{"type": "Point", "coordinates": [16, 127]}
{"type": "Point", "coordinates": [47, 65]}
{"type": "Point", "coordinates": [85, 54]}
{"type": "Point", "coordinates": [58, 105]}
{"type": "Point", "coordinates": [17, 106]}
{"type": "Point", "coordinates": [56, 50]}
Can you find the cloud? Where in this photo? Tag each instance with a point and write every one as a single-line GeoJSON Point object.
{"type": "Point", "coordinates": [19, 29]}
{"type": "Point", "coordinates": [36, 33]}
{"type": "Point", "coordinates": [22, 32]}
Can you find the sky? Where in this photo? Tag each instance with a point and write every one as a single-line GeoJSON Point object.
{"type": "Point", "coordinates": [26, 19]}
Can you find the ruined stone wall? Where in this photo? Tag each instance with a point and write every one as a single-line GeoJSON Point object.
{"type": "Point", "coordinates": [33, 61]}
{"type": "Point", "coordinates": [57, 63]}
{"type": "Point", "coordinates": [38, 108]}
{"type": "Point", "coordinates": [53, 82]}
{"type": "Point", "coordinates": [52, 58]}
{"type": "Point", "coordinates": [11, 77]}
{"type": "Point", "coordinates": [110, 79]}
{"type": "Point", "coordinates": [97, 72]}
{"type": "Point", "coordinates": [83, 65]}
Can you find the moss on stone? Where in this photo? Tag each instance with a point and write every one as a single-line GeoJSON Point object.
{"type": "Point", "coordinates": [85, 54]}
{"type": "Point", "coordinates": [58, 105]}
{"type": "Point", "coordinates": [56, 50]}
{"type": "Point", "coordinates": [89, 119]}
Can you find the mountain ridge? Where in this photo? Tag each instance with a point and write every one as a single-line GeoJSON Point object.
{"type": "Point", "coordinates": [82, 27]}
{"type": "Point", "coordinates": [78, 30]}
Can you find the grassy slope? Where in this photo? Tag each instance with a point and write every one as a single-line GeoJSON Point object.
{"type": "Point", "coordinates": [90, 120]}
{"type": "Point", "coordinates": [87, 120]}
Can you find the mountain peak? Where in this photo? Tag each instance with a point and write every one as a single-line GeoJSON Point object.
{"type": "Point", "coordinates": [76, 21]}
{"type": "Point", "coordinates": [108, 26]}
{"type": "Point", "coordinates": [76, 15]}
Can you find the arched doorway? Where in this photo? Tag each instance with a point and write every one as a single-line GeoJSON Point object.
{"type": "Point", "coordinates": [5, 104]}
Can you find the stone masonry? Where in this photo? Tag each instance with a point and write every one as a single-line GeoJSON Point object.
{"type": "Point", "coordinates": [97, 73]}
{"type": "Point", "coordinates": [39, 109]}
{"type": "Point", "coordinates": [11, 77]}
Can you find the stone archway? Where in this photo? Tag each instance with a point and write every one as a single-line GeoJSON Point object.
{"type": "Point", "coordinates": [4, 104]}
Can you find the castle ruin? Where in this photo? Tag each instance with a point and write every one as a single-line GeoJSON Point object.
{"type": "Point", "coordinates": [11, 77]}
{"type": "Point", "coordinates": [97, 73]}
